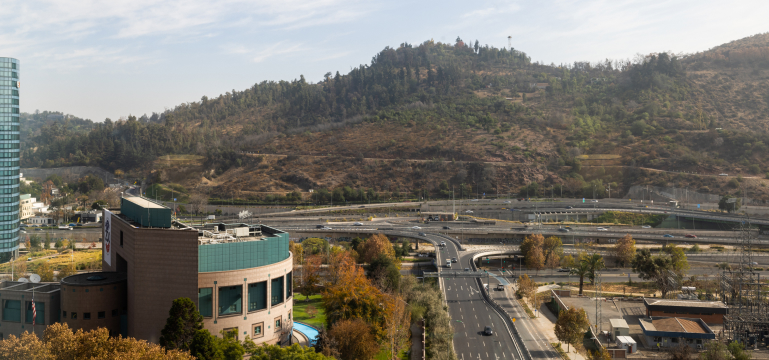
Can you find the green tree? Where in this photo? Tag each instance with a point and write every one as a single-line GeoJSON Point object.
{"type": "Point", "coordinates": [678, 259]}
{"type": "Point", "coordinates": [326, 345]}
{"type": "Point", "coordinates": [595, 263]}
{"type": "Point", "coordinates": [581, 269]}
{"type": "Point", "coordinates": [659, 269]}
{"type": "Point", "coordinates": [183, 322]}
{"type": "Point", "coordinates": [203, 346]}
{"type": "Point", "coordinates": [99, 204]}
{"type": "Point", "coordinates": [738, 351]}
{"type": "Point", "coordinates": [229, 346]}
{"type": "Point", "coordinates": [384, 273]}
{"type": "Point", "coordinates": [34, 242]}
{"type": "Point", "coordinates": [47, 243]}
{"type": "Point", "coordinates": [315, 246]}
{"type": "Point", "coordinates": [571, 326]}
{"type": "Point", "coordinates": [731, 206]}
{"type": "Point", "coordinates": [715, 350]}
{"type": "Point", "coordinates": [293, 352]}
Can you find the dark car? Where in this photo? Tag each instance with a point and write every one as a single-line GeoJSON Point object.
{"type": "Point", "coordinates": [467, 269]}
{"type": "Point", "coordinates": [563, 270]}
{"type": "Point", "coordinates": [570, 207]}
{"type": "Point", "coordinates": [453, 260]}
{"type": "Point", "coordinates": [668, 236]}
{"type": "Point", "coordinates": [422, 234]}
{"type": "Point", "coordinates": [563, 230]}
{"type": "Point", "coordinates": [446, 228]}
{"type": "Point", "coordinates": [691, 236]}
{"type": "Point", "coordinates": [487, 331]}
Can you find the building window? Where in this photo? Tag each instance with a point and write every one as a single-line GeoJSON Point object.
{"type": "Point", "coordinates": [256, 330]}
{"type": "Point", "coordinates": [74, 315]}
{"type": "Point", "coordinates": [289, 314]}
{"type": "Point", "coordinates": [114, 312]}
{"type": "Point", "coordinates": [657, 339]}
{"type": "Point", "coordinates": [12, 310]}
{"type": "Point", "coordinates": [39, 308]}
{"type": "Point", "coordinates": [276, 292]}
{"type": "Point", "coordinates": [206, 302]}
{"type": "Point", "coordinates": [231, 333]}
{"type": "Point", "coordinates": [121, 238]}
{"type": "Point", "coordinates": [101, 315]}
{"type": "Point", "coordinates": [64, 314]}
{"type": "Point", "coordinates": [675, 340]}
{"type": "Point", "coordinates": [699, 341]}
{"type": "Point", "coordinates": [257, 296]}
{"type": "Point", "coordinates": [277, 324]}
{"type": "Point", "coordinates": [230, 300]}
{"type": "Point", "coordinates": [289, 285]}
{"type": "Point", "coordinates": [86, 316]}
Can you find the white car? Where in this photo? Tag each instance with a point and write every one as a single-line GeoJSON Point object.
{"type": "Point", "coordinates": [474, 200]}
{"type": "Point", "coordinates": [602, 229]}
{"type": "Point", "coordinates": [468, 211]}
{"type": "Point", "coordinates": [506, 202]}
{"type": "Point", "coordinates": [723, 174]}
{"type": "Point", "coordinates": [64, 227]}
{"type": "Point", "coordinates": [357, 224]}
{"type": "Point", "coordinates": [646, 226]}
{"type": "Point", "coordinates": [416, 227]}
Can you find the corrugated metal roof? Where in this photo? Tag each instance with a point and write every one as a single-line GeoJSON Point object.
{"type": "Point", "coordinates": [686, 303]}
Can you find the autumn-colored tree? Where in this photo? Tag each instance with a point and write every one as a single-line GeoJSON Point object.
{"type": "Point", "coordinates": [530, 242]}
{"type": "Point", "coordinates": [310, 275]}
{"type": "Point", "coordinates": [567, 262]}
{"type": "Point", "coordinates": [339, 263]}
{"type": "Point", "coordinates": [19, 269]}
{"type": "Point", "coordinates": [311, 311]}
{"type": "Point", "coordinates": [66, 270]}
{"type": "Point", "coordinates": [527, 289]}
{"type": "Point", "coordinates": [398, 322]}
{"type": "Point", "coordinates": [552, 247]}
{"type": "Point", "coordinates": [45, 271]}
{"type": "Point", "coordinates": [297, 251]}
{"type": "Point", "coordinates": [60, 342]}
{"type": "Point", "coordinates": [600, 354]}
{"type": "Point", "coordinates": [354, 339]}
{"type": "Point", "coordinates": [625, 250]}
{"type": "Point", "coordinates": [553, 262]}
{"type": "Point", "coordinates": [353, 296]}
{"type": "Point", "coordinates": [571, 326]}
{"type": "Point", "coordinates": [535, 260]}
{"type": "Point", "coordinates": [377, 245]}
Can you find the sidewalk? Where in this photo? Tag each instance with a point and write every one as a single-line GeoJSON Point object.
{"type": "Point", "coordinates": [416, 341]}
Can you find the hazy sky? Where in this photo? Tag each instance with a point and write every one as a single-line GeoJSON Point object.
{"type": "Point", "coordinates": [99, 59]}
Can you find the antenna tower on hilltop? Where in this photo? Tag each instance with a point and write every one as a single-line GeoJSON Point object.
{"type": "Point", "coordinates": [510, 43]}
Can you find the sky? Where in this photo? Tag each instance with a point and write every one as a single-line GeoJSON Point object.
{"type": "Point", "coordinates": [110, 59]}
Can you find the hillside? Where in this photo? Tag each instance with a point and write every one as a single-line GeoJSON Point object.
{"type": "Point", "coordinates": [434, 116]}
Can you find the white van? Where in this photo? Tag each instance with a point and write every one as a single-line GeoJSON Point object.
{"type": "Point", "coordinates": [448, 263]}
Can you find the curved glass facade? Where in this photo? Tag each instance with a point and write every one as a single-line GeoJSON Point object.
{"type": "Point", "coordinates": [9, 157]}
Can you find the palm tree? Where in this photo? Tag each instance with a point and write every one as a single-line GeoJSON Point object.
{"type": "Point", "coordinates": [582, 269]}
{"type": "Point", "coordinates": [594, 263]}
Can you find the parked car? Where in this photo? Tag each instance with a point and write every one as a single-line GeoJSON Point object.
{"type": "Point", "coordinates": [62, 227]}
{"type": "Point", "coordinates": [668, 236]}
{"type": "Point", "coordinates": [691, 236]}
{"type": "Point", "coordinates": [23, 225]}
{"type": "Point", "coordinates": [487, 331]}
{"type": "Point", "coordinates": [72, 225]}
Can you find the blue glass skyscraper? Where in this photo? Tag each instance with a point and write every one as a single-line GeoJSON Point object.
{"type": "Point", "coordinates": [9, 158]}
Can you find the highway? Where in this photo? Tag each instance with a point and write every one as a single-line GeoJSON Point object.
{"type": "Point", "coordinates": [470, 313]}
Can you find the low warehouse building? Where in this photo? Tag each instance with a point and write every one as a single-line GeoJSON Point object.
{"type": "Point", "coordinates": [666, 332]}
{"type": "Point", "coordinates": [711, 312]}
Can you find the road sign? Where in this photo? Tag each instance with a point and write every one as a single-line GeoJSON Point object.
{"type": "Point", "coordinates": [583, 200]}
{"type": "Point", "coordinates": [513, 319]}
{"type": "Point", "coordinates": [698, 206]}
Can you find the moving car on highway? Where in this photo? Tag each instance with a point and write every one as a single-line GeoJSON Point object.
{"type": "Point", "coordinates": [602, 229]}
{"type": "Point", "coordinates": [416, 227]}
{"type": "Point", "coordinates": [691, 236]}
{"type": "Point", "coordinates": [357, 224]}
{"type": "Point", "coordinates": [668, 236]}
{"type": "Point", "coordinates": [563, 230]}
{"type": "Point", "coordinates": [646, 227]}
{"type": "Point", "coordinates": [487, 331]}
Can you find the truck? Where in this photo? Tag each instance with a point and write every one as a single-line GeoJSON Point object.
{"type": "Point", "coordinates": [211, 217]}
{"type": "Point", "coordinates": [448, 263]}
